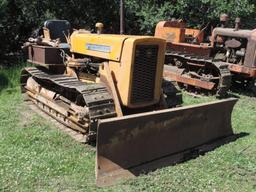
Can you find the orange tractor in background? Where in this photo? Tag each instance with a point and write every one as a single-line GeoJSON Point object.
{"type": "Point", "coordinates": [207, 66]}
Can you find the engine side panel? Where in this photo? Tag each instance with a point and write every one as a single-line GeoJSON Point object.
{"type": "Point", "coordinates": [171, 31]}
{"type": "Point", "coordinates": [103, 46]}
{"type": "Point", "coordinates": [139, 73]}
{"type": "Point", "coordinates": [249, 35]}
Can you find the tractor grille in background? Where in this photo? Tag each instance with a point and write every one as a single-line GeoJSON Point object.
{"type": "Point", "coordinates": [144, 73]}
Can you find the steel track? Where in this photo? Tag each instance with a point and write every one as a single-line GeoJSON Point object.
{"type": "Point", "coordinates": [93, 97]}
{"type": "Point", "coordinates": [224, 82]}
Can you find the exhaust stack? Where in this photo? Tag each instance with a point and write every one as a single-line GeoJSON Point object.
{"type": "Point", "coordinates": [121, 16]}
{"type": "Point", "coordinates": [237, 24]}
{"type": "Point", "coordinates": [224, 20]}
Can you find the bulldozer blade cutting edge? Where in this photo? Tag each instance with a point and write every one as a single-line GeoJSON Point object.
{"type": "Point", "coordinates": [128, 146]}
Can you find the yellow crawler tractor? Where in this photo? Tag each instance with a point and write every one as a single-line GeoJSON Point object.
{"type": "Point", "coordinates": [112, 91]}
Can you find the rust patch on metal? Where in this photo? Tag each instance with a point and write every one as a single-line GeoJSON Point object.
{"type": "Point", "coordinates": [188, 80]}
{"type": "Point", "coordinates": [200, 50]}
{"type": "Point", "coordinates": [250, 72]}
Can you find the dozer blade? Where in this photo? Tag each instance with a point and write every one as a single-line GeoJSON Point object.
{"type": "Point", "coordinates": [130, 145]}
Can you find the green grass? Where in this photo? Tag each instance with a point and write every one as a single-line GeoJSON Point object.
{"type": "Point", "coordinates": [9, 77]}
{"type": "Point", "coordinates": [35, 156]}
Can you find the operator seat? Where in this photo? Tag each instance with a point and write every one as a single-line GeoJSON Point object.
{"type": "Point", "coordinates": [58, 29]}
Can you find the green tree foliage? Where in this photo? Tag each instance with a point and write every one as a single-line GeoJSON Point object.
{"type": "Point", "coordinates": [194, 12]}
{"type": "Point", "coordinates": [18, 18]}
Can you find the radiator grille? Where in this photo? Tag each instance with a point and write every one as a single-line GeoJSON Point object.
{"type": "Point", "coordinates": [144, 73]}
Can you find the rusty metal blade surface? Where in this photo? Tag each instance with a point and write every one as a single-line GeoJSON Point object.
{"type": "Point", "coordinates": [127, 142]}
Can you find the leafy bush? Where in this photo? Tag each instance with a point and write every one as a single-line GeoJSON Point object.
{"type": "Point", "coordinates": [19, 17]}
{"type": "Point", "coordinates": [195, 12]}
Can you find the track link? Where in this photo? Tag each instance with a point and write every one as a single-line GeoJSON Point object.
{"type": "Point", "coordinates": [76, 104]}
{"type": "Point", "coordinates": [224, 78]}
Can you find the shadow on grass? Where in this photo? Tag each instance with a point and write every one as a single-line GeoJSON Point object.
{"type": "Point", "coordinates": [244, 88]}
{"type": "Point", "coordinates": [10, 77]}
{"type": "Point", "coordinates": [244, 91]}
{"type": "Point", "coordinates": [4, 82]}
{"type": "Point", "coordinates": [232, 94]}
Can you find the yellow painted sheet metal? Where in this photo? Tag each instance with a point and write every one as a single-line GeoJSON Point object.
{"type": "Point", "coordinates": [104, 46]}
